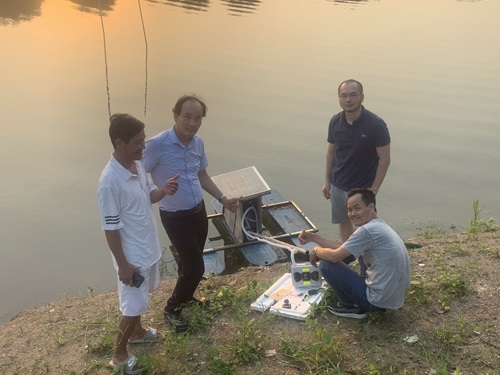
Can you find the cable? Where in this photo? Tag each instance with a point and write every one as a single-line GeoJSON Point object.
{"type": "Point", "coordinates": [252, 237]}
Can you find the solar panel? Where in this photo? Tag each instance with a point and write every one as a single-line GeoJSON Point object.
{"type": "Point", "coordinates": [246, 183]}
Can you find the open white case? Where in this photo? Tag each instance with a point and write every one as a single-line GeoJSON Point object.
{"type": "Point", "coordinates": [284, 299]}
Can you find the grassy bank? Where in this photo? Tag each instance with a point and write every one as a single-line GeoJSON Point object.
{"type": "Point", "coordinates": [448, 325]}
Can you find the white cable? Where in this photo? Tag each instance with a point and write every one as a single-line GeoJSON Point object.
{"type": "Point", "coordinates": [252, 237]}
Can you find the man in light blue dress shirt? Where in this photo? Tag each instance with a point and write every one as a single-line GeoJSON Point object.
{"type": "Point", "coordinates": [179, 151]}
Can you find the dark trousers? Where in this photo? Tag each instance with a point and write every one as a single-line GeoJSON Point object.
{"type": "Point", "coordinates": [188, 232]}
{"type": "Point", "coordinates": [349, 286]}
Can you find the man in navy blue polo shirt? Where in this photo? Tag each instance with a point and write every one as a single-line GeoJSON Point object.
{"type": "Point", "coordinates": [358, 153]}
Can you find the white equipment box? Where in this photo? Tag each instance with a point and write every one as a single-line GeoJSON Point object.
{"type": "Point", "coordinates": [304, 275]}
{"type": "Point", "coordinates": [284, 299]}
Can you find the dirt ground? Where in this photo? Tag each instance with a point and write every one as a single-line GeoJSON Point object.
{"type": "Point", "coordinates": [54, 338]}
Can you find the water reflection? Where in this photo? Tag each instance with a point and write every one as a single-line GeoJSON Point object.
{"type": "Point", "coordinates": [13, 12]}
{"type": "Point", "coordinates": [240, 7]}
{"type": "Point", "coordinates": [348, 1]}
{"type": "Point", "coordinates": [92, 6]}
{"type": "Point", "coordinates": [190, 5]}
{"type": "Point", "coordinates": [235, 7]}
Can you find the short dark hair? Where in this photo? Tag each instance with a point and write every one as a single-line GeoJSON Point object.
{"type": "Point", "coordinates": [186, 98]}
{"type": "Point", "coordinates": [124, 127]}
{"type": "Point", "coordinates": [360, 86]}
{"type": "Point", "coordinates": [367, 196]}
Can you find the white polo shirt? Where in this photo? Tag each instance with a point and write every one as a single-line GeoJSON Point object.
{"type": "Point", "coordinates": [125, 205]}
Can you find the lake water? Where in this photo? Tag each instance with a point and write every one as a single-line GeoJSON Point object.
{"type": "Point", "coordinates": [269, 71]}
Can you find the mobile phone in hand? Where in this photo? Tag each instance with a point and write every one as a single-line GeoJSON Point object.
{"type": "Point", "coordinates": [137, 279]}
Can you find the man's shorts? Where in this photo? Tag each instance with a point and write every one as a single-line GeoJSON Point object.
{"type": "Point", "coordinates": [338, 203]}
{"type": "Point", "coordinates": [135, 301]}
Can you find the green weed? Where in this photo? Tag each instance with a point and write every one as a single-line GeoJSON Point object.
{"type": "Point", "coordinates": [249, 342]}
{"type": "Point", "coordinates": [372, 370]}
{"type": "Point", "coordinates": [447, 285]}
{"type": "Point", "coordinates": [148, 362]}
{"type": "Point", "coordinates": [105, 325]}
{"type": "Point", "coordinates": [200, 318]}
{"type": "Point", "coordinates": [321, 355]}
{"type": "Point", "coordinates": [457, 250]}
{"type": "Point", "coordinates": [176, 345]}
{"type": "Point", "coordinates": [325, 351]}
{"type": "Point", "coordinates": [91, 369]}
{"type": "Point", "coordinates": [417, 291]}
{"type": "Point", "coordinates": [433, 232]}
{"type": "Point", "coordinates": [478, 225]}
{"type": "Point", "coordinates": [220, 367]}
{"type": "Point", "coordinates": [102, 347]}
{"type": "Point", "coordinates": [447, 336]}
{"type": "Point", "coordinates": [453, 284]}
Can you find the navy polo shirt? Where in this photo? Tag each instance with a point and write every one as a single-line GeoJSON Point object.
{"type": "Point", "coordinates": [355, 161]}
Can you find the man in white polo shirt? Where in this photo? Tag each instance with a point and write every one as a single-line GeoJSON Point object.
{"type": "Point", "coordinates": [125, 194]}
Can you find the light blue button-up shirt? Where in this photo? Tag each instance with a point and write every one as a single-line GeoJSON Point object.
{"type": "Point", "coordinates": [165, 156]}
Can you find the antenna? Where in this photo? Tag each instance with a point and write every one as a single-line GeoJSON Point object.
{"type": "Point", "coordinates": [146, 67]}
{"type": "Point", "coordinates": [105, 58]}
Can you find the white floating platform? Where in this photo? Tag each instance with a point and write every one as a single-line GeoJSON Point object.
{"type": "Point", "coordinates": [214, 263]}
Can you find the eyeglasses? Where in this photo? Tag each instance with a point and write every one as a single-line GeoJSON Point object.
{"type": "Point", "coordinates": [353, 95]}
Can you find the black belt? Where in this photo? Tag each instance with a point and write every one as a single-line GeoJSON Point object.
{"type": "Point", "coordinates": [191, 211]}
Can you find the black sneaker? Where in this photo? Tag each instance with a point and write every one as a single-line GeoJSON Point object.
{"type": "Point", "coordinates": [349, 312]}
{"type": "Point", "coordinates": [342, 304]}
{"type": "Point", "coordinates": [175, 320]}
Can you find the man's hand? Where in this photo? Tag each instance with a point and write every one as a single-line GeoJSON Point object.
{"type": "Point", "coordinates": [326, 190]}
{"type": "Point", "coordinates": [305, 237]}
{"type": "Point", "coordinates": [231, 203]}
{"type": "Point", "coordinates": [126, 274]}
{"type": "Point", "coordinates": [313, 257]}
{"type": "Point", "coordinates": [171, 185]}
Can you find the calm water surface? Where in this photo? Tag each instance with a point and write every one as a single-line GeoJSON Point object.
{"type": "Point", "coordinates": [269, 72]}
